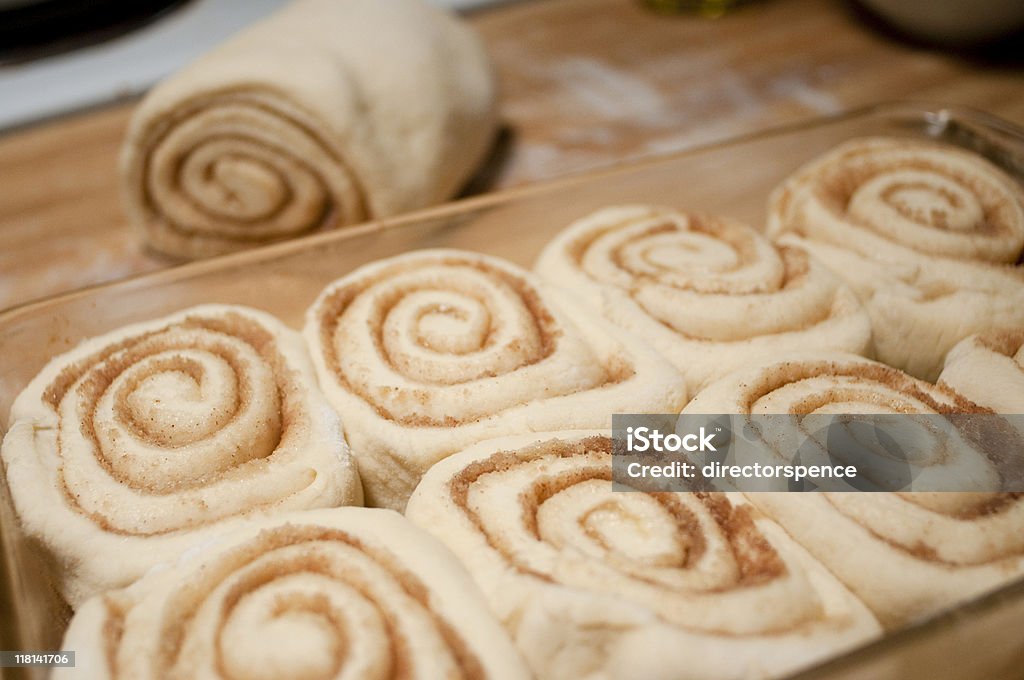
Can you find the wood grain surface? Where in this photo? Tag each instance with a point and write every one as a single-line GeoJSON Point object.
{"type": "Point", "coordinates": [585, 84]}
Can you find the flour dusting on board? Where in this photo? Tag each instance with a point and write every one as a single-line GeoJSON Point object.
{"type": "Point", "coordinates": [610, 93]}
{"type": "Point", "coordinates": [590, 89]}
{"type": "Point", "coordinates": [798, 89]}
{"type": "Point", "coordinates": [587, 112]}
{"type": "Point", "coordinates": [72, 267]}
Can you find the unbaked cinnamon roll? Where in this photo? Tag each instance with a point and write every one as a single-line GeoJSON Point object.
{"type": "Point", "coordinates": [617, 584]}
{"type": "Point", "coordinates": [326, 113]}
{"type": "Point", "coordinates": [137, 444]}
{"type": "Point", "coordinates": [709, 293]}
{"type": "Point", "coordinates": [906, 554]}
{"type": "Point", "coordinates": [989, 369]}
{"type": "Point", "coordinates": [340, 593]}
{"type": "Point", "coordinates": [929, 236]}
{"type": "Point", "coordinates": [428, 352]}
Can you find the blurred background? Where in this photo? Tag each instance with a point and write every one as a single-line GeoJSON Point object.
{"type": "Point", "coordinates": [585, 84]}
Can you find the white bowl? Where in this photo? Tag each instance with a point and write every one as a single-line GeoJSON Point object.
{"type": "Point", "coordinates": [951, 21]}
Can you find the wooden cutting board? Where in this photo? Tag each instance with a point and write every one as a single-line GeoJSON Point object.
{"type": "Point", "coordinates": [585, 84]}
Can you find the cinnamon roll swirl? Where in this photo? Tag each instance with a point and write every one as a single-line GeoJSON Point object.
{"type": "Point", "coordinates": [596, 583]}
{"type": "Point", "coordinates": [324, 114]}
{"type": "Point", "coordinates": [340, 593]}
{"type": "Point", "coordinates": [137, 444]}
{"type": "Point", "coordinates": [929, 236]}
{"type": "Point", "coordinates": [907, 554]}
{"type": "Point", "coordinates": [709, 293]}
{"type": "Point", "coordinates": [989, 369]}
{"type": "Point", "coordinates": [428, 352]}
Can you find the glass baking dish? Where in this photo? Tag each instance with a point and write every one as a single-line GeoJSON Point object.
{"type": "Point", "coordinates": [981, 639]}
